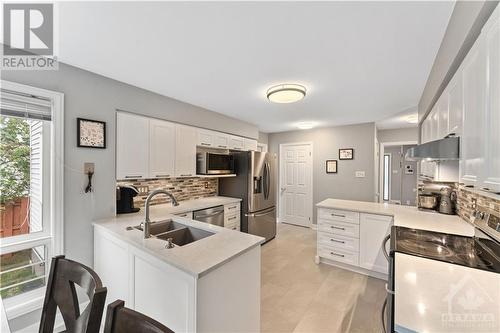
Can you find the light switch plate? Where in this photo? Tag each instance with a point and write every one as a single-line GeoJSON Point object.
{"type": "Point", "coordinates": [360, 174]}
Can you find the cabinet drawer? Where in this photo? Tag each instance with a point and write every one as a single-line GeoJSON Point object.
{"type": "Point", "coordinates": [189, 215]}
{"type": "Point", "coordinates": [339, 228]}
{"type": "Point", "coordinates": [339, 215]}
{"type": "Point", "coordinates": [232, 219]}
{"type": "Point", "coordinates": [348, 257]}
{"type": "Point", "coordinates": [233, 208]}
{"type": "Point", "coordinates": [338, 242]}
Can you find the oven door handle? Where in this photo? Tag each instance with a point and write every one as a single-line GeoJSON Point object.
{"type": "Point", "coordinates": [383, 316]}
{"type": "Point", "coordinates": [384, 249]}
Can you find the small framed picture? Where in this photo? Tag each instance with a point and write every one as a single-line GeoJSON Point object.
{"type": "Point", "coordinates": [346, 154]}
{"type": "Point", "coordinates": [91, 133]}
{"type": "Point", "coordinates": [331, 166]}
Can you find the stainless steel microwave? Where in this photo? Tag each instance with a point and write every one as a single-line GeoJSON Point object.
{"type": "Point", "coordinates": [214, 164]}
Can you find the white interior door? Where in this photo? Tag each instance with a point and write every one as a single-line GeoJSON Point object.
{"type": "Point", "coordinates": [296, 183]}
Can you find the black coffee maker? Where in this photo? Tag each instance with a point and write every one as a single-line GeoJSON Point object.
{"type": "Point", "coordinates": [125, 199]}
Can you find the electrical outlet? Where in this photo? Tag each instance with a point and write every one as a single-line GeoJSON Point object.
{"type": "Point", "coordinates": [88, 167]}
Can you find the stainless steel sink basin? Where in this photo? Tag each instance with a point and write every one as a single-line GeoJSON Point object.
{"type": "Point", "coordinates": [160, 227]}
{"type": "Point", "coordinates": [184, 236]}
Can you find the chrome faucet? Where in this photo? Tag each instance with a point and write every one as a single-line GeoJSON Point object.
{"type": "Point", "coordinates": [147, 221]}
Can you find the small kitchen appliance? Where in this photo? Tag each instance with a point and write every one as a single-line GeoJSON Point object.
{"type": "Point", "coordinates": [447, 201]}
{"type": "Point", "coordinates": [125, 194]}
{"type": "Point", "coordinates": [208, 163]}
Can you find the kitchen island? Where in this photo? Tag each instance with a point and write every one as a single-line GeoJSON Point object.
{"type": "Point", "coordinates": [209, 285]}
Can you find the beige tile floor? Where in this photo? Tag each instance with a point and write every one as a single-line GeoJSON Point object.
{"type": "Point", "coordinates": [299, 296]}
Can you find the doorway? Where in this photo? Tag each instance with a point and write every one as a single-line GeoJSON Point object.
{"type": "Point", "coordinates": [399, 176]}
{"type": "Point", "coordinates": [295, 197]}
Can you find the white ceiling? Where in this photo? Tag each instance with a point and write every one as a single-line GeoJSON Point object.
{"type": "Point", "coordinates": [399, 120]}
{"type": "Point", "coordinates": [361, 61]}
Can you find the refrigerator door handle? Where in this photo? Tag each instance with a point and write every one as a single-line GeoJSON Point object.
{"type": "Point", "coordinates": [263, 213]}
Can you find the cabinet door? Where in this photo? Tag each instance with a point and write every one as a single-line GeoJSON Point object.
{"type": "Point", "coordinates": [222, 140]}
{"type": "Point", "coordinates": [442, 116]}
{"type": "Point", "coordinates": [205, 138]}
{"type": "Point", "coordinates": [455, 104]}
{"type": "Point", "coordinates": [426, 130]}
{"type": "Point", "coordinates": [474, 82]}
{"type": "Point", "coordinates": [250, 144]}
{"type": "Point", "coordinates": [237, 143]}
{"type": "Point", "coordinates": [373, 229]}
{"type": "Point", "coordinates": [132, 141]}
{"type": "Point", "coordinates": [492, 139]}
{"type": "Point", "coordinates": [185, 151]}
{"type": "Point", "coordinates": [161, 149]}
{"type": "Point", "coordinates": [434, 124]}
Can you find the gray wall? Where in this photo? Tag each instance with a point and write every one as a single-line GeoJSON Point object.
{"type": "Point", "coordinates": [398, 135]}
{"type": "Point", "coordinates": [327, 142]}
{"type": "Point", "coordinates": [263, 138]}
{"type": "Point", "coordinates": [89, 95]}
{"type": "Point", "coordinates": [467, 19]}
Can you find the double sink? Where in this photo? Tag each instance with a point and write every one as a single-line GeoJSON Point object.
{"type": "Point", "coordinates": [174, 232]}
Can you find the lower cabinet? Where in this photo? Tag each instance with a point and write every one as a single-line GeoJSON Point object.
{"type": "Point", "coordinates": [372, 230]}
{"type": "Point", "coordinates": [232, 216]}
{"type": "Point", "coordinates": [353, 240]}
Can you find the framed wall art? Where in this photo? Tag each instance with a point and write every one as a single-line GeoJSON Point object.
{"type": "Point", "coordinates": [346, 154]}
{"type": "Point", "coordinates": [331, 166]}
{"type": "Point", "coordinates": [91, 133]}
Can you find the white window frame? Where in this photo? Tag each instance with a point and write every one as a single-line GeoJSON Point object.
{"type": "Point", "coordinates": [387, 177]}
{"type": "Point", "coordinates": [53, 236]}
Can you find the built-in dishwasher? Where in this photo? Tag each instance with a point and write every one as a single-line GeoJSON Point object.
{"type": "Point", "coordinates": [213, 215]}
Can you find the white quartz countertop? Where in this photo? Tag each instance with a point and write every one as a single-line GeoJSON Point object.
{"type": "Point", "coordinates": [432, 296]}
{"type": "Point", "coordinates": [197, 258]}
{"type": "Point", "coordinates": [405, 216]}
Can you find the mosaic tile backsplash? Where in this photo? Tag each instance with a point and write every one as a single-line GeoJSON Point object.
{"type": "Point", "coordinates": [465, 201]}
{"type": "Point", "coordinates": [181, 188]}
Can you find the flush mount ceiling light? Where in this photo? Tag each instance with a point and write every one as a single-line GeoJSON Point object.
{"type": "Point", "coordinates": [305, 125]}
{"type": "Point", "coordinates": [412, 119]}
{"type": "Point", "coordinates": [286, 93]}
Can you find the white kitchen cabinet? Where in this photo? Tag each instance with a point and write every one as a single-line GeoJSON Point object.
{"type": "Point", "coordinates": [250, 144]}
{"type": "Point", "coordinates": [426, 131]}
{"type": "Point", "coordinates": [434, 124]}
{"type": "Point", "coordinates": [205, 138]}
{"type": "Point", "coordinates": [491, 141]}
{"type": "Point", "coordinates": [186, 138]}
{"type": "Point", "coordinates": [232, 215]}
{"type": "Point", "coordinates": [132, 142]}
{"type": "Point", "coordinates": [161, 149]}
{"type": "Point", "coordinates": [442, 117]}
{"type": "Point", "coordinates": [372, 230]}
{"type": "Point", "coordinates": [236, 143]}
{"type": "Point", "coordinates": [455, 104]}
{"type": "Point", "coordinates": [221, 140]}
{"type": "Point", "coordinates": [474, 88]}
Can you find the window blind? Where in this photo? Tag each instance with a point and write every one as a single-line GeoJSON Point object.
{"type": "Point", "coordinates": [24, 106]}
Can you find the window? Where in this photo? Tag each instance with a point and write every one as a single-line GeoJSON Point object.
{"type": "Point", "coordinates": [31, 193]}
{"type": "Point", "coordinates": [387, 169]}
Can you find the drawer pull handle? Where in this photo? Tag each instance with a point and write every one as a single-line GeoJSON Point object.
{"type": "Point", "coordinates": [133, 177]}
{"type": "Point", "coordinates": [333, 227]}
{"type": "Point", "coordinates": [186, 175]}
{"type": "Point", "coordinates": [231, 207]}
{"type": "Point", "coordinates": [338, 215]}
{"type": "Point", "coordinates": [232, 218]}
{"type": "Point", "coordinates": [220, 146]}
{"type": "Point", "coordinates": [163, 176]}
{"type": "Point", "coordinates": [334, 240]}
{"type": "Point", "coordinates": [336, 254]}
{"type": "Point", "coordinates": [205, 144]}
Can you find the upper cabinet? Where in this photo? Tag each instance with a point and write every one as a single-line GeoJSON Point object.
{"type": "Point", "coordinates": [442, 116]}
{"type": "Point", "coordinates": [236, 143]}
{"type": "Point", "coordinates": [205, 138]}
{"type": "Point", "coordinates": [186, 138]}
{"type": "Point", "coordinates": [161, 149]}
{"type": "Point", "coordinates": [454, 93]}
{"type": "Point", "coordinates": [474, 82]}
{"type": "Point", "coordinates": [132, 153]}
{"type": "Point", "coordinates": [250, 144]}
{"type": "Point", "coordinates": [221, 140]}
{"type": "Point", "coordinates": [491, 177]}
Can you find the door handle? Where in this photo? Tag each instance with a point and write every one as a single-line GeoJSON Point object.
{"type": "Point", "coordinates": [266, 212]}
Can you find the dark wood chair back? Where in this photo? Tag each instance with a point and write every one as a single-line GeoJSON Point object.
{"type": "Point", "coordinates": [120, 319]}
{"type": "Point", "coordinates": [61, 293]}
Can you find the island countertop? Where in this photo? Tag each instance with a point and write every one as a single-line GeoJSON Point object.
{"type": "Point", "coordinates": [405, 216]}
{"type": "Point", "coordinates": [197, 258]}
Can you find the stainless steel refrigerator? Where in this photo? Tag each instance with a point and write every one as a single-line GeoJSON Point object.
{"type": "Point", "coordinates": [255, 184]}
